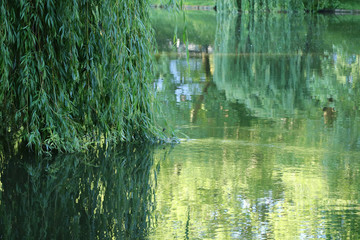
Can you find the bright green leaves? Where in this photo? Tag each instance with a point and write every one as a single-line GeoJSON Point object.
{"type": "Point", "coordinates": [76, 71]}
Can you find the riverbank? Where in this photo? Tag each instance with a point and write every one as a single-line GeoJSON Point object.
{"type": "Point", "coordinates": [346, 11]}
{"type": "Point", "coordinates": [188, 7]}
{"type": "Point", "coordinates": [186, 2]}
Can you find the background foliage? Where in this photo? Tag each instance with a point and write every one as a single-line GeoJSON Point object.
{"type": "Point", "coordinates": [73, 72]}
{"type": "Point", "coordinates": [277, 5]}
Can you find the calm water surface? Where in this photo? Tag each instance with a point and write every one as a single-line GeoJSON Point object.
{"type": "Point", "coordinates": [268, 109]}
{"type": "Point", "coordinates": [101, 194]}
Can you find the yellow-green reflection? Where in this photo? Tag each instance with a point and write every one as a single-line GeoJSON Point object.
{"type": "Point", "coordinates": [270, 108]}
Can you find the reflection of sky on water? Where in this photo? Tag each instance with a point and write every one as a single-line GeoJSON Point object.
{"type": "Point", "coordinates": [178, 66]}
{"type": "Point", "coordinates": [186, 84]}
{"type": "Point", "coordinates": [176, 77]}
{"type": "Point", "coordinates": [158, 85]}
{"type": "Point", "coordinates": [185, 91]}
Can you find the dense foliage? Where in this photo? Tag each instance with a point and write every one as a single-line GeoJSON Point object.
{"type": "Point", "coordinates": [277, 5]}
{"type": "Point", "coordinates": [75, 72]}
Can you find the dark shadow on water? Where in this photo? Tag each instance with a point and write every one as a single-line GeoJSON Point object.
{"type": "Point", "coordinates": [102, 194]}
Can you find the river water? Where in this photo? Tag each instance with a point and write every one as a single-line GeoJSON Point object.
{"type": "Point", "coordinates": [268, 111]}
{"type": "Point", "coordinates": [268, 106]}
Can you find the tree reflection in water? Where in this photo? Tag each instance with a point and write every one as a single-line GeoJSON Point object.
{"type": "Point", "coordinates": [102, 194]}
{"type": "Point", "coordinates": [272, 115]}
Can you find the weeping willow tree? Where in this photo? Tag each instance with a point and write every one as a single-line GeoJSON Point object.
{"type": "Point", "coordinates": [74, 72]}
{"type": "Point", "coordinates": [276, 5]}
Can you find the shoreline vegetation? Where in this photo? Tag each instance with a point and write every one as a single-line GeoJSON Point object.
{"type": "Point", "coordinates": [344, 7]}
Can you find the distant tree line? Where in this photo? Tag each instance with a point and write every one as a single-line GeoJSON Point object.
{"type": "Point", "coordinates": [277, 5]}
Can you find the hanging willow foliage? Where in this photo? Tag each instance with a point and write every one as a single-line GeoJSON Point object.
{"type": "Point", "coordinates": [276, 5]}
{"type": "Point", "coordinates": [74, 72]}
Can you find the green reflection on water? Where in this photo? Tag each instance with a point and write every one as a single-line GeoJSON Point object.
{"type": "Point", "coordinates": [103, 194]}
{"type": "Point", "coordinates": [270, 106]}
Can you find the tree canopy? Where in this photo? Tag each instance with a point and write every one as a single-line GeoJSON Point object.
{"type": "Point", "coordinates": [74, 72]}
